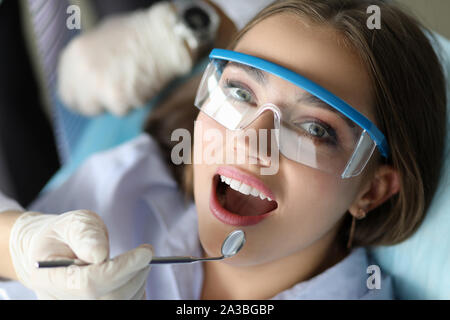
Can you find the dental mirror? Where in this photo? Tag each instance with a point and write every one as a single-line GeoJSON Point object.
{"type": "Point", "coordinates": [232, 244]}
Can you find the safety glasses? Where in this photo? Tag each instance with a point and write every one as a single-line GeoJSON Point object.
{"type": "Point", "coordinates": [316, 128]}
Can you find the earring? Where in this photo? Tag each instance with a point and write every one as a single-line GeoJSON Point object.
{"type": "Point", "coordinates": [361, 215]}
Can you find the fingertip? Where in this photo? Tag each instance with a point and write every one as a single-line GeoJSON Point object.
{"type": "Point", "coordinates": [145, 254]}
{"type": "Point", "coordinates": [147, 247]}
{"type": "Point", "coordinates": [92, 250]}
{"type": "Point", "coordinates": [99, 254]}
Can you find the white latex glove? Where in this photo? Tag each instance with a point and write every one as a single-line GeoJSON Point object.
{"type": "Point", "coordinates": [79, 235]}
{"type": "Point", "coordinates": [123, 62]}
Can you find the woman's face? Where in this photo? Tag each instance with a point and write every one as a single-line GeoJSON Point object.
{"type": "Point", "coordinates": [309, 203]}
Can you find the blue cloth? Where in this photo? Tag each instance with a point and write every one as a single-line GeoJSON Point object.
{"type": "Point", "coordinates": [84, 136]}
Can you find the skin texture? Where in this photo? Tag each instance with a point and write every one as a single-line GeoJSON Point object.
{"type": "Point", "coordinates": [297, 241]}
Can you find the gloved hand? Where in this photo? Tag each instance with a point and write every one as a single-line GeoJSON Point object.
{"type": "Point", "coordinates": [123, 62]}
{"type": "Point", "coordinates": [79, 235]}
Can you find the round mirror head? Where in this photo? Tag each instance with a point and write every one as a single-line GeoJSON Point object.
{"type": "Point", "coordinates": [233, 243]}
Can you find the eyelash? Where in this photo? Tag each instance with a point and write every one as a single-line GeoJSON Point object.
{"type": "Point", "coordinates": [232, 84]}
{"type": "Point", "coordinates": [332, 141]}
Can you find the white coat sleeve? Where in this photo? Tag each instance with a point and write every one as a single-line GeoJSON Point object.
{"type": "Point", "coordinates": [8, 204]}
{"type": "Point", "coordinates": [241, 12]}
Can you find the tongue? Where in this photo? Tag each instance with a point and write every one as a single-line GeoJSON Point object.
{"type": "Point", "coordinates": [243, 205]}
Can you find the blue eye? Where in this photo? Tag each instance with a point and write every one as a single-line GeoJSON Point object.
{"type": "Point", "coordinates": [318, 132]}
{"type": "Point", "coordinates": [315, 129]}
{"type": "Point", "coordinates": [238, 92]}
{"type": "Point", "coordinates": [241, 94]}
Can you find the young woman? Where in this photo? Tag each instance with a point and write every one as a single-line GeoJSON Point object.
{"type": "Point", "coordinates": [360, 126]}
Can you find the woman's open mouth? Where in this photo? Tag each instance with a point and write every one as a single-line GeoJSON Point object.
{"type": "Point", "coordinates": [239, 199]}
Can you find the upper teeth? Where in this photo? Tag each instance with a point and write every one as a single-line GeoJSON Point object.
{"type": "Point", "coordinates": [243, 188]}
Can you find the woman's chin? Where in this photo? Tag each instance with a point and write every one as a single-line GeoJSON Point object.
{"type": "Point", "coordinates": [239, 261]}
{"type": "Point", "coordinates": [244, 258]}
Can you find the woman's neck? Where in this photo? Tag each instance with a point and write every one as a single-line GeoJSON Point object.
{"type": "Point", "coordinates": [225, 281]}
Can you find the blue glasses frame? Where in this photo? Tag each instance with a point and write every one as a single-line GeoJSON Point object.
{"type": "Point", "coordinates": [311, 87]}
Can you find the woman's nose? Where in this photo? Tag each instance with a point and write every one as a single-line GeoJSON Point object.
{"type": "Point", "coordinates": [257, 138]}
{"type": "Point", "coordinates": [265, 120]}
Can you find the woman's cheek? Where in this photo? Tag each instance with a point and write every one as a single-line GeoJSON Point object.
{"type": "Point", "coordinates": [209, 139]}
{"type": "Point", "coordinates": [211, 231]}
{"type": "Point", "coordinates": [315, 201]}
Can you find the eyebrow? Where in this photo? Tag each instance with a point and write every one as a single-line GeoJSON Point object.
{"type": "Point", "coordinates": [311, 99]}
{"type": "Point", "coordinates": [257, 75]}
{"type": "Point", "coordinates": [304, 97]}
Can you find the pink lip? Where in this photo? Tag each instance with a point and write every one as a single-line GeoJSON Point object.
{"type": "Point", "coordinates": [228, 217]}
{"type": "Point", "coordinates": [234, 173]}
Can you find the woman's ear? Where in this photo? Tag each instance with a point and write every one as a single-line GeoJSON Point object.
{"type": "Point", "coordinates": [384, 183]}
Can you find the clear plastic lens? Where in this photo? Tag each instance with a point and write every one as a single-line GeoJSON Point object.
{"type": "Point", "coordinates": [361, 155]}
{"type": "Point", "coordinates": [311, 132]}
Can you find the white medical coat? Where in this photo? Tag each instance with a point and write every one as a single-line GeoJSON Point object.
{"type": "Point", "coordinates": [131, 188]}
